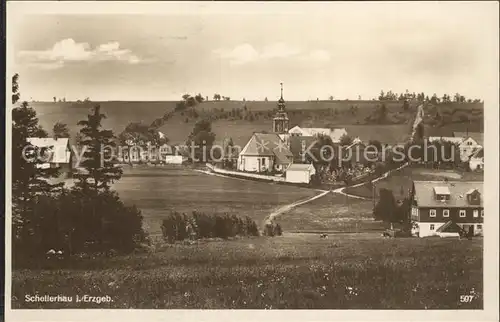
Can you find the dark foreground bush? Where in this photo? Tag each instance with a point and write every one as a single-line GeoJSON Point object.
{"type": "Point", "coordinates": [76, 222]}
{"type": "Point", "coordinates": [199, 225]}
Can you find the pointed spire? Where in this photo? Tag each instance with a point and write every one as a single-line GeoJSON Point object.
{"type": "Point", "coordinates": [281, 90]}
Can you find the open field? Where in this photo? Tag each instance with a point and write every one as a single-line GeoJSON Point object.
{"type": "Point", "coordinates": [158, 191]}
{"type": "Point", "coordinates": [333, 212]}
{"type": "Point", "coordinates": [298, 271]}
{"type": "Point", "coordinates": [310, 113]}
{"type": "Point", "coordinates": [400, 181]}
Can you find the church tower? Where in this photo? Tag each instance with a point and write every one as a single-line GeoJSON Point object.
{"type": "Point", "coordinates": [280, 120]}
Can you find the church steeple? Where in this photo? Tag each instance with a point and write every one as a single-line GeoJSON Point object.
{"type": "Point", "coordinates": [281, 101]}
{"type": "Point", "coordinates": [280, 121]}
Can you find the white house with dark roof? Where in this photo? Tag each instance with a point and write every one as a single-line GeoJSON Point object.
{"type": "Point", "coordinates": [265, 152]}
{"type": "Point", "coordinates": [434, 203]}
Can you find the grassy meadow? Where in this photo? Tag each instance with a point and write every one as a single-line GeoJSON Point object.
{"type": "Point", "coordinates": [158, 191]}
{"type": "Point", "coordinates": [298, 271]}
{"type": "Point", "coordinates": [332, 213]}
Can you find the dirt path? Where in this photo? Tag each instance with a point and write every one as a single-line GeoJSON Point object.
{"type": "Point", "coordinates": [289, 207]}
{"type": "Point", "coordinates": [383, 176]}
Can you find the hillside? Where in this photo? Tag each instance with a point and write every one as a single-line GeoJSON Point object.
{"type": "Point", "coordinates": [239, 119]}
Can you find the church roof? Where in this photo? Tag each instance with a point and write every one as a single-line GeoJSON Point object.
{"type": "Point", "coordinates": [267, 144]}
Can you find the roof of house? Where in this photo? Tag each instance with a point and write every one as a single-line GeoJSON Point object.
{"type": "Point", "coordinates": [49, 142]}
{"type": "Point", "coordinates": [476, 136]}
{"type": "Point", "coordinates": [300, 167]}
{"type": "Point", "coordinates": [267, 144]}
{"type": "Point", "coordinates": [59, 148]}
{"type": "Point", "coordinates": [449, 227]}
{"type": "Point", "coordinates": [478, 154]}
{"type": "Point", "coordinates": [424, 193]}
{"type": "Point", "coordinates": [452, 139]}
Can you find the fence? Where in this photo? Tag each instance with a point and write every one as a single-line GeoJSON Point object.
{"type": "Point", "coordinates": [245, 174]}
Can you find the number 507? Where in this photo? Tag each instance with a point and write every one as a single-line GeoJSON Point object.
{"type": "Point", "coordinates": [466, 298]}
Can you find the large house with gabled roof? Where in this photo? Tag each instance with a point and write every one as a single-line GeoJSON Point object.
{"type": "Point", "coordinates": [435, 203]}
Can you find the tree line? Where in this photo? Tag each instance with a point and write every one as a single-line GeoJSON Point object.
{"type": "Point", "coordinates": [422, 97]}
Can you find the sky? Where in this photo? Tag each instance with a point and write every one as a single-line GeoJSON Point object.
{"type": "Point", "coordinates": [344, 50]}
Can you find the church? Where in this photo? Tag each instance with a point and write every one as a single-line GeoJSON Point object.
{"type": "Point", "coordinates": [269, 152]}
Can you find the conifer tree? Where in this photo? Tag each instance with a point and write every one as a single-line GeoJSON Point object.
{"type": "Point", "coordinates": [99, 159]}
{"type": "Point", "coordinates": [29, 180]}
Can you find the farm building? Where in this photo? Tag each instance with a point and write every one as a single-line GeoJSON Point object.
{"type": "Point", "coordinates": [334, 134]}
{"type": "Point", "coordinates": [476, 161]}
{"type": "Point", "coordinates": [57, 153]}
{"type": "Point", "coordinates": [467, 144]}
{"type": "Point", "coordinates": [436, 202]}
{"type": "Point", "coordinates": [265, 152]}
{"type": "Point", "coordinates": [174, 159]}
{"type": "Point", "coordinates": [299, 173]}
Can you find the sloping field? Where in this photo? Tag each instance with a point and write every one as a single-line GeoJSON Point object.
{"type": "Point", "coordinates": [310, 113]}
{"type": "Point", "coordinates": [159, 191]}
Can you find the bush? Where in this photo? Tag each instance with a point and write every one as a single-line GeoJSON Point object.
{"type": "Point", "coordinates": [177, 227]}
{"type": "Point", "coordinates": [79, 222]}
{"type": "Point", "coordinates": [272, 229]}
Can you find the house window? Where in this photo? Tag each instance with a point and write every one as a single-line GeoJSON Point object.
{"type": "Point", "coordinates": [479, 226]}
{"type": "Point", "coordinates": [446, 213]}
{"type": "Point", "coordinates": [432, 227]}
{"type": "Point", "coordinates": [432, 212]}
{"type": "Point", "coordinates": [263, 161]}
{"type": "Point", "coordinates": [462, 213]}
{"type": "Point", "coordinates": [476, 213]}
{"type": "Point", "coordinates": [482, 213]}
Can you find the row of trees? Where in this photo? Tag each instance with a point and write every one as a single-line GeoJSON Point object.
{"type": "Point", "coordinates": [422, 97]}
{"type": "Point", "coordinates": [197, 225]}
{"type": "Point", "coordinates": [88, 217]}
{"type": "Point", "coordinates": [218, 97]}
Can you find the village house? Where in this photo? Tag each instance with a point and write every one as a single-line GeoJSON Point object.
{"type": "Point", "coordinates": [472, 141]}
{"type": "Point", "coordinates": [476, 161]}
{"type": "Point", "coordinates": [435, 203]}
{"type": "Point", "coordinates": [467, 143]}
{"type": "Point", "coordinates": [57, 153]}
{"type": "Point", "coordinates": [334, 134]}
{"type": "Point", "coordinates": [299, 173]}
